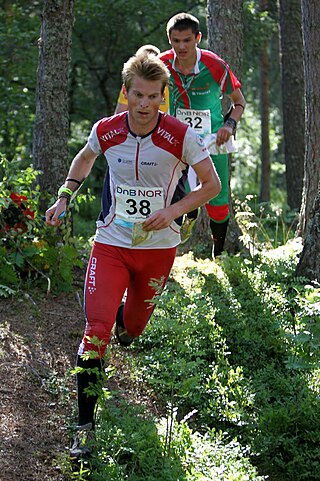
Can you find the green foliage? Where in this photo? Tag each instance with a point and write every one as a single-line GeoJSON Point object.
{"type": "Point", "coordinates": [212, 456]}
{"type": "Point", "coordinates": [131, 445]}
{"type": "Point", "coordinates": [263, 226]}
{"type": "Point", "coordinates": [222, 344]}
{"type": "Point", "coordinates": [29, 250]}
{"type": "Point", "coordinates": [246, 176]}
{"type": "Point", "coordinates": [195, 356]}
{"type": "Point", "coordinates": [19, 32]}
{"type": "Point", "coordinates": [5, 291]}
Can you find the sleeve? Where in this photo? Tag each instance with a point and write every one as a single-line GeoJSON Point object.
{"type": "Point", "coordinates": [93, 141]}
{"type": "Point", "coordinates": [194, 149]}
{"type": "Point", "coordinates": [230, 82]}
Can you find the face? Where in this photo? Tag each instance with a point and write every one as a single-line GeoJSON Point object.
{"type": "Point", "coordinates": [184, 44]}
{"type": "Point", "coordinates": [144, 98]}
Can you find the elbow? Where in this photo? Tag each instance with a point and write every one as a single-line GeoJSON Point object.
{"type": "Point", "coordinates": [216, 188]}
{"type": "Point", "coordinates": [212, 190]}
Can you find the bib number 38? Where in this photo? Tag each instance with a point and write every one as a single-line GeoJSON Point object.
{"type": "Point", "coordinates": [142, 207]}
{"type": "Point", "coordinates": [135, 204]}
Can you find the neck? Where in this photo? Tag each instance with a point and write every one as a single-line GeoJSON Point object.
{"type": "Point", "coordinates": [141, 130]}
{"type": "Point", "coordinates": [187, 66]}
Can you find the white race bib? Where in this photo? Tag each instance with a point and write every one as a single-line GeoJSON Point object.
{"type": "Point", "coordinates": [199, 120]}
{"type": "Point", "coordinates": [135, 204]}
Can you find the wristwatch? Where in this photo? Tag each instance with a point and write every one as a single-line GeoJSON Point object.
{"type": "Point", "coordinates": [231, 123]}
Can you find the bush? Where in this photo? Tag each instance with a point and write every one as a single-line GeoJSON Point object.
{"type": "Point", "coordinates": [31, 252]}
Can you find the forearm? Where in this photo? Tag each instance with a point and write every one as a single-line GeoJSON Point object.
{"type": "Point", "coordinates": [237, 111]}
{"type": "Point", "coordinates": [80, 169]}
{"type": "Point", "coordinates": [238, 104]}
{"type": "Point", "coordinates": [208, 188]}
{"type": "Point", "coordinates": [230, 125]}
{"type": "Point", "coordinates": [198, 197]}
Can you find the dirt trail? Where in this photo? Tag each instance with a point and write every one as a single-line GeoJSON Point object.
{"type": "Point", "coordinates": [38, 342]}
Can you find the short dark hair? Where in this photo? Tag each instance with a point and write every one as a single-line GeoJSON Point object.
{"type": "Point", "coordinates": [146, 66]}
{"type": "Point", "coordinates": [183, 21]}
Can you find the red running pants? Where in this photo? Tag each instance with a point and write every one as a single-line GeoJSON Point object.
{"type": "Point", "coordinates": [112, 270]}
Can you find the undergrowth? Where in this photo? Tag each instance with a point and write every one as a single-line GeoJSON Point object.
{"type": "Point", "coordinates": [231, 356]}
{"type": "Point", "coordinates": [31, 253]}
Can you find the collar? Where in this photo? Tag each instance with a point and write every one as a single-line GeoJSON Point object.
{"type": "Point", "coordinates": [196, 68]}
{"type": "Point", "coordinates": [160, 116]}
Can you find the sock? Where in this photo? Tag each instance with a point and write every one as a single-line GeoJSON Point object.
{"type": "Point", "coordinates": [87, 403]}
{"type": "Point", "coordinates": [219, 232]}
{"type": "Point", "coordinates": [119, 316]}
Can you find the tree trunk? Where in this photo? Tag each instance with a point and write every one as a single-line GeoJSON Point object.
{"type": "Point", "coordinates": [293, 101]}
{"type": "Point", "coordinates": [311, 37]}
{"type": "Point", "coordinates": [225, 38]}
{"type": "Point", "coordinates": [264, 113]}
{"type": "Point", "coordinates": [225, 31]}
{"type": "Point", "coordinates": [50, 143]}
{"type": "Point", "coordinates": [309, 265]}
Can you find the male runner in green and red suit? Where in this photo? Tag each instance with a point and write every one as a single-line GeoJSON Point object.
{"type": "Point", "coordinates": [199, 79]}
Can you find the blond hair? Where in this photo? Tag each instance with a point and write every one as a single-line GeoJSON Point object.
{"type": "Point", "coordinates": [146, 66]}
{"type": "Point", "coordinates": [148, 48]}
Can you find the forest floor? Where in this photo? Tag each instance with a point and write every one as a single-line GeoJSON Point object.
{"type": "Point", "coordinates": [39, 338]}
{"type": "Point", "coordinates": [38, 344]}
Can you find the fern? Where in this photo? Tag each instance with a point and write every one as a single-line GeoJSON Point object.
{"type": "Point", "coordinates": [6, 291]}
{"type": "Point", "coordinates": [8, 273]}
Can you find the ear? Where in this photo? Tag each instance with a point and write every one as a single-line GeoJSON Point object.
{"type": "Point", "coordinates": [199, 37]}
{"type": "Point", "coordinates": [124, 91]}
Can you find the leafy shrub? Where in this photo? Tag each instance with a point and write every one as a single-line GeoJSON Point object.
{"type": "Point", "coordinates": [29, 250]}
{"type": "Point", "coordinates": [238, 342]}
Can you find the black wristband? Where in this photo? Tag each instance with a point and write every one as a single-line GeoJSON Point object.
{"type": "Point", "coordinates": [231, 123]}
{"type": "Point", "coordinates": [238, 105]}
{"type": "Point", "coordinates": [74, 180]}
{"type": "Point", "coordinates": [66, 196]}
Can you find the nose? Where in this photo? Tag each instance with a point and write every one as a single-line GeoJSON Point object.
{"type": "Point", "coordinates": [144, 102]}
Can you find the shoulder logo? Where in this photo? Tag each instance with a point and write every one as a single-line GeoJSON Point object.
{"type": "Point", "coordinates": [112, 133]}
{"type": "Point", "coordinates": [167, 136]}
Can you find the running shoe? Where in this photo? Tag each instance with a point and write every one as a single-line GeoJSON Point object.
{"type": "Point", "coordinates": [83, 442]}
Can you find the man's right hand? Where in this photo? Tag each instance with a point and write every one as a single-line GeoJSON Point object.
{"type": "Point", "coordinates": [55, 213]}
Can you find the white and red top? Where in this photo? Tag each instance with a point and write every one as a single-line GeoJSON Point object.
{"type": "Point", "coordinates": [142, 176]}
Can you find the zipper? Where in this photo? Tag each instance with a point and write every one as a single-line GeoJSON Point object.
{"type": "Point", "coordinates": [138, 139]}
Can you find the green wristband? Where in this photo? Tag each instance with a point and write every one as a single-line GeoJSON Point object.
{"type": "Point", "coordinates": [65, 190]}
